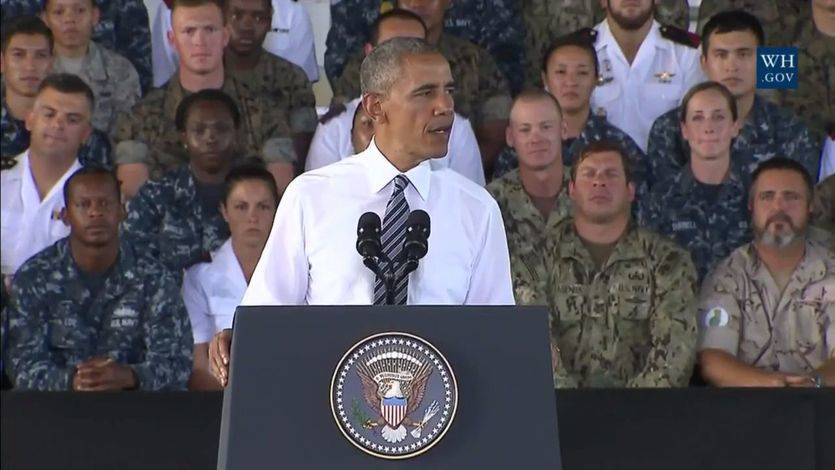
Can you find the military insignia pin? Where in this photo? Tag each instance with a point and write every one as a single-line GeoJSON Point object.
{"type": "Point", "coordinates": [665, 77]}
{"type": "Point", "coordinates": [394, 395]}
{"type": "Point", "coordinates": [606, 75]}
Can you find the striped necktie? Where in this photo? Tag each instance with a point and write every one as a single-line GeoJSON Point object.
{"type": "Point", "coordinates": [392, 235]}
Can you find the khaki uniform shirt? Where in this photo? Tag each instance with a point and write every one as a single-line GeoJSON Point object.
{"type": "Point", "coordinates": [742, 312]}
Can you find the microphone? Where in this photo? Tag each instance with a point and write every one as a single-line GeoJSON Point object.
{"type": "Point", "coordinates": [368, 236]}
{"type": "Point", "coordinates": [416, 244]}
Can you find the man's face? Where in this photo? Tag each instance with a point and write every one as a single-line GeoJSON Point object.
{"type": "Point", "coordinates": [249, 21]}
{"type": "Point", "coordinates": [570, 77]}
{"type": "Point", "coordinates": [362, 130]}
{"type": "Point", "coordinates": [779, 207]}
{"type": "Point", "coordinates": [709, 126]}
{"type": "Point", "coordinates": [630, 14]}
{"type": "Point", "coordinates": [430, 11]}
{"type": "Point", "coordinates": [71, 21]}
{"type": "Point", "coordinates": [419, 107]}
{"type": "Point", "coordinates": [825, 5]}
{"type": "Point", "coordinates": [400, 28]}
{"type": "Point", "coordinates": [94, 211]}
{"type": "Point", "coordinates": [59, 122]}
{"type": "Point", "coordinates": [25, 63]}
{"type": "Point", "coordinates": [600, 192]}
{"type": "Point", "coordinates": [732, 61]}
{"type": "Point", "coordinates": [210, 136]}
{"type": "Point", "coordinates": [199, 37]}
{"type": "Point", "coordinates": [249, 210]}
{"type": "Point", "coordinates": [535, 132]}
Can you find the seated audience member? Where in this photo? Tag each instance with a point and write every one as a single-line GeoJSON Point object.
{"type": "Point", "coordinates": [546, 20]}
{"type": "Point", "coordinates": [268, 74]}
{"type": "Point", "coordinates": [774, 15]}
{"type": "Point", "coordinates": [333, 139]}
{"type": "Point", "coordinates": [212, 291]}
{"type": "Point", "coordinates": [176, 218]}
{"type": "Point", "coordinates": [704, 206]}
{"type": "Point", "coordinates": [112, 78]}
{"type": "Point", "coordinates": [147, 140]}
{"type": "Point", "coordinates": [31, 190]}
{"type": "Point", "coordinates": [823, 208]}
{"type": "Point", "coordinates": [481, 92]}
{"type": "Point", "coordinates": [767, 312]}
{"type": "Point", "coordinates": [645, 68]}
{"type": "Point", "coordinates": [621, 297]}
{"type": "Point", "coordinates": [122, 27]}
{"type": "Point", "coordinates": [812, 32]}
{"type": "Point", "coordinates": [533, 198]}
{"type": "Point", "coordinates": [88, 313]}
{"type": "Point", "coordinates": [570, 73]}
{"type": "Point", "coordinates": [26, 60]}
{"type": "Point", "coordinates": [290, 37]}
{"type": "Point", "coordinates": [729, 56]}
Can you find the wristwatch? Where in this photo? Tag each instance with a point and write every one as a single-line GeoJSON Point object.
{"type": "Point", "coordinates": [817, 379]}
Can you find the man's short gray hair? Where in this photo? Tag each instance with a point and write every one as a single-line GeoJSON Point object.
{"type": "Point", "coordinates": [381, 67]}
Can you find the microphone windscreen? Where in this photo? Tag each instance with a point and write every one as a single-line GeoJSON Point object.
{"type": "Point", "coordinates": [369, 221]}
{"type": "Point", "coordinates": [419, 217]}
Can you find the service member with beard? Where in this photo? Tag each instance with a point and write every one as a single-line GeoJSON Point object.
{"type": "Point", "coordinates": [767, 312]}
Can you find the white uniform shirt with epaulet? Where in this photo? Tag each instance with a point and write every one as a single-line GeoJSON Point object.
{"type": "Point", "coordinates": [27, 223]}
{"type": "Point", "coordinates": [633, 96]}
{"type": "Point", "coordinates": [311, 256]}
{"type": "Point", "coordinates": [332, 142]}
{"type": "Point", "coordinates": [212, 291]}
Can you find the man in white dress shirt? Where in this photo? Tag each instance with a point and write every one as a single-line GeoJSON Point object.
{"type": "Point", "coordinates": [31, 191]}
{"type": "Point", "coordinates": [645, 68]}
{"type": "Point", "coordinates": [310, 257]}
{"type": "Point", "coordinates": [332, 140]}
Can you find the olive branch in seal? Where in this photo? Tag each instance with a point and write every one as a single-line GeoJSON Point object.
{"type": "Point", "coordinates": [360, 418]}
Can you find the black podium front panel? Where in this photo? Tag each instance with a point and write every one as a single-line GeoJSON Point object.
{"type": "Point", "coordinates": [277, 411]}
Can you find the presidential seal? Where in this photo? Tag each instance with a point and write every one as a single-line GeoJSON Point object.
{"type": "Point", "coordinates": [393, 395]}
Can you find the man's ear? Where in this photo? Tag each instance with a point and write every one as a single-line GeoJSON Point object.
{"type": "Point", "coordinates": [508, 136]}
{"type": "Point", "coordinates": [373, 105]}
{"type": "Point", "coordinates": [63, 215]}
{"type": "Point", "coordinates": [96, 15]}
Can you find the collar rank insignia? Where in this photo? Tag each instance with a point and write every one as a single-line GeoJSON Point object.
{"type": "Point", "coordinates": [394, 395]}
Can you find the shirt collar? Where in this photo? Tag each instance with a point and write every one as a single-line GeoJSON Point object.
{"type": "Point", "coordinates": [381, 171]}
{"type": "Point", "coordinates": [94, 62]}
{"type": "Point", "coordinates": [605, 36]}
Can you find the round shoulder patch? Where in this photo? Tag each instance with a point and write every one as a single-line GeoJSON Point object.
{"type": "Point", "coordinates": [716, 317]}
{"type": "Point", "coordinates": [393, 395]}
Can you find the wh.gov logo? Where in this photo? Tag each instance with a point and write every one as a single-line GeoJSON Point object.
{"type": "Point", "coordinates": [394, 395]}
{"type": "Point", "coordinates": [777, 68]}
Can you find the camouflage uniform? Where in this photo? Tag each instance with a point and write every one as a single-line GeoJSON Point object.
{"type": "Point", "coordinates": [167, 222]}
{"type": "Point", "coordinates": [710, 222]}
{"type": "Point", "coordinates": [113, 80]}
{"type": "Point", "coordinates": [814, 98]}
{"type": "Point", "coordinates": [287, 84]}
{"type": "Point", "coordinates": [494, 25]}
{"type": "Point", "coordinates": [773, 14]}
{"type": "Point", "coordinates": [14, 140]}
{"type": "Point", "coordinates": [527, 231]}
{"type": "Point", "coordinates": [546, 20]}
{"type": "Point", "coordinates": [481, 92]}
{"type": "Point", "coordinates": [148, 134]}
{"type": "Point", "coordinates": [823, 207]}
{"type": "Point", "coordinates": [55, 322]}
{"type": "Point", "coordinates": [632, 323]}
{"type": "Point", "coordinates": [123, 27]}
{"type": "Point", "coordinates": [597, 128]}
{"type": "Point", "coordinates": [769, 131]}
{"type": "Point", "coordinates": [743, 312]}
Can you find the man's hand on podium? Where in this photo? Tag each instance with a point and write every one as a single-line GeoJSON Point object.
{"type": "Point", "coordinates": [219, 355]}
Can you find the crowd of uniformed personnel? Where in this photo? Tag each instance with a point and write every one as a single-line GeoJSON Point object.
{"type": "Point", "coordinates": [671, 215]}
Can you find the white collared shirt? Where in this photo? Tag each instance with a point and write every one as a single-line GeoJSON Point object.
{"type": "Point", "coordinates": [634, 96]}
{"type": "Point", "coordinates": [27, 223]}
{"type": "Point", "coordinates": [291, 38]}
{"type": "Point", "coordinates": [332, 142]}
{"type": "Point", "coordinates": [311, 256]}
{"type": "Point", "coordinates": [212, 291]}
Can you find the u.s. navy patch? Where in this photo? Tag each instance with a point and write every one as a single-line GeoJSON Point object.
{"type": "Point", "coordinates": [716, 317]}
{"type": "Point", "coordinates": [394, 395]}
